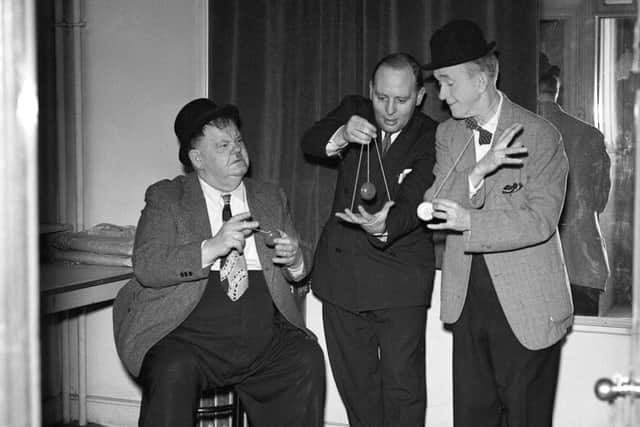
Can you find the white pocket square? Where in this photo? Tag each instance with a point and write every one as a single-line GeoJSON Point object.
{"type": "Point", "coordinates": [403, 174]}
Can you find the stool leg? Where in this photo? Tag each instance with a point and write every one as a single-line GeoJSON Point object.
{"type": "Point", "coordinates": [238, 415]}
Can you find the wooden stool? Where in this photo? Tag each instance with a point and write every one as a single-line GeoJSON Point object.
{"type": "Point", "coordinates": [219, 403]}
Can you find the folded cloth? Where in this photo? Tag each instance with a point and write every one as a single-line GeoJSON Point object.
{"type": "Point", "coordinates": [126, 232]}
{"type": "Point", "coordinates": [105, 239]}
{"type": "Point", "coordinates": [83, 257]}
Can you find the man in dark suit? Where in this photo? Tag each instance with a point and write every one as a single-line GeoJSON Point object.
{"type": "Point", "coordinates": [210, 304]}
{"type": "Point", "coordinates": [374, 272]}
{"type": "Point", "coordinates": [500, 183]}
{"type": "Point", "coordinates": [588, 188]}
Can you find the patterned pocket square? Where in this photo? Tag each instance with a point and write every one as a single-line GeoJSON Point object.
{"type": "Point", "coordinates": [403, 174]}
{"type": "Point", "coordinates": [512, 188]}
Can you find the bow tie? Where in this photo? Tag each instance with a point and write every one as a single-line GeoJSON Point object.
{"type": "Point", "coordinates": [485, 135]}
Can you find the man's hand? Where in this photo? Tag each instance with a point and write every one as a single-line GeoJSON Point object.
{"type": "Point", "coordinates": [287, 251]}
{"type": "Point", "coordinates": [455, 217]}
{"type": "Point", "coordinates": [500, 154]}
{"type": "Point", "coordinates": [231, 235]}
{"type": "Point", "coordinates": [358, 130]}
{"type": "Point", "coordinates": [371, 223]}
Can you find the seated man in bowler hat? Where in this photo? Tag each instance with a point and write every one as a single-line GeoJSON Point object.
{"type": "Point", "coordinates": [210, 302]}
{"type": "Point", "coordinates": [501, 173]}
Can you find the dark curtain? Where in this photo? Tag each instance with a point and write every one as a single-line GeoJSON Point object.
{"type": "Point", "coordinates": [286, 63]}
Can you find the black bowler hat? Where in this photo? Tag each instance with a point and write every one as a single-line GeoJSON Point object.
{"type": "Point", "coordinates": [192, 118]}
{"type": "Point", "coordinates": [457, 42]}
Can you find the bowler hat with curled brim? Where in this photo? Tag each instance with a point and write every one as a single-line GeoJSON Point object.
{"type": "Point", "coordinates": [455, 43]}
{"type": "Point", "coordinates": [192, 118]}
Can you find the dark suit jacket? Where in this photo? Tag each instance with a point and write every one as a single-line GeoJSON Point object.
{"type": "Point", "coordinates": [169, 279]}
{"type": "Point", "coordinates": [352, 269]}
{"type": "Point", "coordinates": [588, 188]}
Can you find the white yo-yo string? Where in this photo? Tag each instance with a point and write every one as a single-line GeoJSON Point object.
{"type": "Point", "coordinates": [425, 209]}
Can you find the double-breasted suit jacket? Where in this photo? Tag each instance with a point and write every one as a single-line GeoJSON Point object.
{"type": "Point", "coordinates": [352, 269]}
{"type": "Point", "coordinates": [168, 276]}
{"type": "Point", "coordinates": [514, 218]}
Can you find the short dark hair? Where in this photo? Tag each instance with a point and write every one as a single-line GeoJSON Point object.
{"type": "Point", "coordinates": [549, 83]}
{"type": "Point", "coordinates": [401, 60]}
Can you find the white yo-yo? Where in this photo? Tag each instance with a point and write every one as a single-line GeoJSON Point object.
{"type": "Point", "coordinates": [425, 211]}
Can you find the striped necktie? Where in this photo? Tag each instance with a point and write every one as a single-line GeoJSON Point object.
{"type": "Point", "coordinates": [485, 135]}
{"type": "Point", "coordinates": [386, 143]}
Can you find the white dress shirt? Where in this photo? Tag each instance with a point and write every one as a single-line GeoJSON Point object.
{"type": "Point", "coordinates": [481, 150]}
{"type": "Point", "coordinates": [337, 143]}
{"type": "Point", "coordinates": [238, 204]}
{"type": "Point", "coordinates": [215, 203]}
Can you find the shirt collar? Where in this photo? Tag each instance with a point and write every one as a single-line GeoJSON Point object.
{"type": "Point", "coordinates": [492, 124]}
{"type": "Point", "coordinates": [214, 194]}
{"type": "Point", "coordinates": [394, 135]}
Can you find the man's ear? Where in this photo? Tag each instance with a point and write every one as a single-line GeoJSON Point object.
{"type": "Point", "coordinates": [196, 160]}
{"type": "Point", "coordinates": [481, 81]}
{"type": "Point", "coordinates": [370, 89]}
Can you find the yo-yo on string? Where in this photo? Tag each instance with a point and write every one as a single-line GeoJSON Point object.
{"type": "Point", "coordinates": [368, 189]}
{"type": "Point", "coordinates": [425, 209]}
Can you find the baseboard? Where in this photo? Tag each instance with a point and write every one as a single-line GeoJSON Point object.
{"type": "Point", "coordinates": [108, 411]}
{"type": "Point", "coordinates": [111, 411]}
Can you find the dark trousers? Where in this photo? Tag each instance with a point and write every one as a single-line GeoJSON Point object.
{"type": "Point", "coordinates": [497, 382]}
{"type": "Point", "coordinates": [586, 301]}
{"type": "Point", "coordinates": [280, 380]}
{"type": "Point", "coordinates": [378, 362]}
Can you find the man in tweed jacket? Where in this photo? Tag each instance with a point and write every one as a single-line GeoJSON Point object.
{"type": "Point", "coordinates": [504, 283]}
{"type": "Point", "coordinates": [178, 327]}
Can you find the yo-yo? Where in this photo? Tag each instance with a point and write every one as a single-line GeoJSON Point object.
{"type": "Point", "coordinates": [368, 191]}
{"type": "Point", "coordinates": [270, 236]}
{"type": "Point", "coordinates": [425, 211]}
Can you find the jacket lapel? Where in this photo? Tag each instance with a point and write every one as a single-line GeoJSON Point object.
{"type": "Point", "coordinates": [496, 181]}
{"type": "Point", "coordinates": [463, 135]}
{"type": "Point", "coordinates": [260, 206]}
{"type": "Point", "coordinates": [194, 208]}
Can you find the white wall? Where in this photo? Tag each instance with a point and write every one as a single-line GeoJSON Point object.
{"type": "Point", "coordinates": [142, 60]}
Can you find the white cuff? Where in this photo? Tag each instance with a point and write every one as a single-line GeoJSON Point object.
{"type": "Point", "coordinates": [336, 143]}
{"type": "Point", "coordinates": [297, 271]}
{"type": "Point", "coordinates": [473, 190]}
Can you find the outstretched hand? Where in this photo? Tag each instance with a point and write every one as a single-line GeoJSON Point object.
{"type": "Point", "coordinates": [375, 223]}
{"type": "Point", "coordinates": [501, 153]}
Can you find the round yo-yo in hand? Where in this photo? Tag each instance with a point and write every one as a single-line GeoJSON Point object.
{"type": "Point", "coordinates": [368, 191]}
{"type": "Point", "coordinates": [425, 211]}
{"type": "Point", "coordinates": [270, 236]}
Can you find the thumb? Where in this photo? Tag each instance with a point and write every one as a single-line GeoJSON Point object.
{"type": "Point", "coordinates": [388, 205]}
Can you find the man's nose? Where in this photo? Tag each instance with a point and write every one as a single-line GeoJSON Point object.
{"type": "Point", "coordinates": [442, 93]}
{"type": "Point", "coordinates": [390, 108]}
